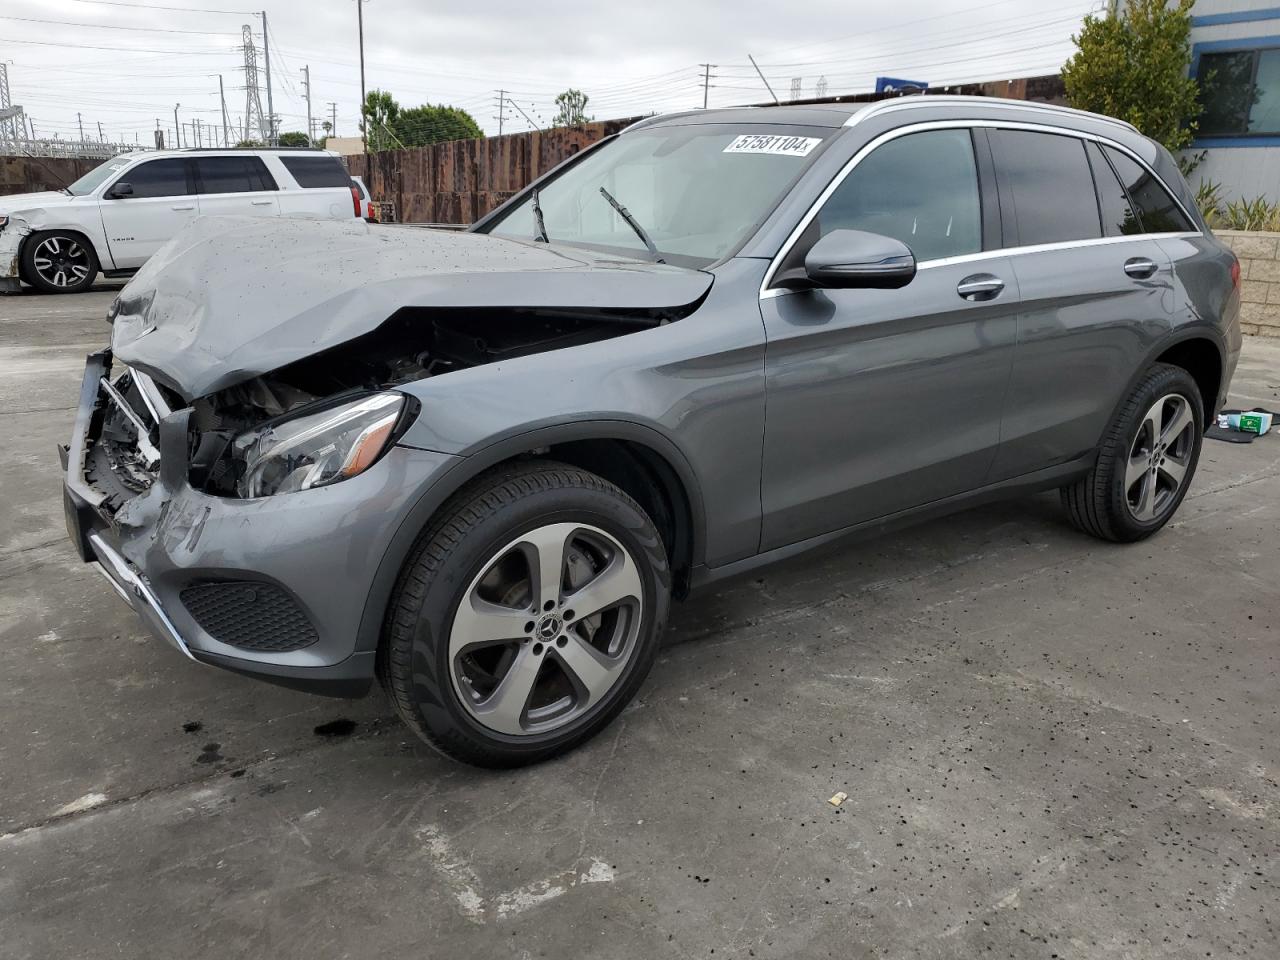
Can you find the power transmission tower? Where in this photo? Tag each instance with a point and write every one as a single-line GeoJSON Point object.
{"type": "Point", "coordinates": [226, 123]}
{"type": "Point", "coordinates": [821, 88]}
{"type": "Point", "coordinates": [306, 83]}
{"type": "Point", "coordinates": [80, 123]}
{"type": "Point", "coordinates": [502, 110]}
{"type": "Point", "coordinates": [253, 115]}
{"type": "Point", "coordinates": [795, 88]}
{"type": "Point", "coordinates": [12, 127]}
{"type": "Point", "coordinates": [271, 110]}
{"type": "Point", "coordinates": [706, 81]}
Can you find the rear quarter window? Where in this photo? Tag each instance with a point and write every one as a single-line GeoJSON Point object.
{"type": "Point", "coordinates": [313, 172]}
{"type": "Point", "coordinates": [1159, 212]}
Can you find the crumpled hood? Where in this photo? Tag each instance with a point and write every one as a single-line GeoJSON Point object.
{"type": "Point", "coordinates": [21, 203]}
{"type": "Point", "coordinates": [231, 298]}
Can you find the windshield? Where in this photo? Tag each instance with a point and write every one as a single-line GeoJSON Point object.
{"type": "Point", "coordinates": [98, 176]}
{"type": "Point", "coordinates": [697, 191]}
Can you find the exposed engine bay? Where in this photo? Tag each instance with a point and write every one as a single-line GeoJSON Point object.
{"type": "Point", "coordinates": [412, 345]}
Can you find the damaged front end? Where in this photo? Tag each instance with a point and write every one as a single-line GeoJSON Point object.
{"type": "Point", "coordinates": [13, 231]}
{"type": "Point", "coordinates": [188, 506]}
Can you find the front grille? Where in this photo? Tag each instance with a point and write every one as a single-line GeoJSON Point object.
{"type": "Point", "coordinates": [249, 615]}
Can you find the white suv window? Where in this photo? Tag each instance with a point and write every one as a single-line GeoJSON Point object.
{"type": "Point", "coordinates": [166, 177]}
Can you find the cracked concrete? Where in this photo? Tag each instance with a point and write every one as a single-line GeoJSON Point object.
{"type": "Point", "coordinates": [1050, 746]}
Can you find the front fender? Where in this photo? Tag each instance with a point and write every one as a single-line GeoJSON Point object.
{"type": "Point", "coordinates": [12, 235]}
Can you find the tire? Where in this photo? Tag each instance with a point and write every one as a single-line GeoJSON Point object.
{"type": "Point", "coordinates": [59, 262]}
{"type": "Point", "coordinates": [471, 575]}
{"type": "Point", "coordinates": [1110, 501]}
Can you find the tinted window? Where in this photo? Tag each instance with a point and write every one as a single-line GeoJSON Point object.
{"type": "Point", "coordinates": [233, 175]}
{"type": "Point", "coordinates": [317, 171]}
{"type": "Point", "coordinates": [921, 189]}
{"type": "Point", "coordinates": [1158, 211]}
{"type": "Point", "coordinates": [1051, 186]}
{"type": "Point", "coordinates": [1118, 216]}
{"type": "Point", "coordinates": [1240, 92]}
{"type": "Point", "coordinates": [158, 178]}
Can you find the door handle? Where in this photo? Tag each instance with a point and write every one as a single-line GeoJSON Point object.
{"type": "Point", "coordinates": [980, 286]}
{"type": "Point", "coordinates": [1140, 268]}
{"type": "Point", "coordinates": [262, 203]}
{"type": "Point", "coordinates": [189, 206]}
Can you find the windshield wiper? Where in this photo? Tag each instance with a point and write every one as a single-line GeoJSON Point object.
{"type": "Point", "coordinates": [631, 222]}
{"type": "Point", "coordinates": [537, 219]}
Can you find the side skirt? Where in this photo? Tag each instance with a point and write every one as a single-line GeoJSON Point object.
{"type": "Point", "coordinates": [1047, 479]}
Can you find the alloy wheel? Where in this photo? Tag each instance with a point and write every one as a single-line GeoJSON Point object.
{"type": "Point", "coordinates": [546, 629]}
{"type": "Point", "coordinates": [61, 261]}
{"type": "Point", "coordinates": [1159, 458]}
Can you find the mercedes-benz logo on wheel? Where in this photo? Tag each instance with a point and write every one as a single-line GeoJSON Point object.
{"type": "Point", "coordinates": [549, 628]}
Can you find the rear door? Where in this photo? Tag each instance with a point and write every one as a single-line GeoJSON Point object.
{"type": "Point", "coordinates": [1095, 285]}
{"type": "Point", "coordinates": [235, 185]}
{"type": "Point", "coordinates": [323, 187]}
{"type": "Point", "coordinates": [163, 201]}
{"type": "Point", "coordinates": [881, 400]}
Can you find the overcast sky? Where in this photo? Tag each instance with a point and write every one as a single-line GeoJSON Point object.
{"type": "Point", "coordinates": [125, 64]}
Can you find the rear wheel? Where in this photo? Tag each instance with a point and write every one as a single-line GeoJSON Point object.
{"type": "Point", "coordinates": [527, 616]}
{"type": "Point", "coordinates": [59, 262]}
{"type": "Point", "coordinates": [1146, 463]}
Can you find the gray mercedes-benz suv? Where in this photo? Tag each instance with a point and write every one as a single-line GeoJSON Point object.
{"type": "Point", "coordinates": [479, 465]}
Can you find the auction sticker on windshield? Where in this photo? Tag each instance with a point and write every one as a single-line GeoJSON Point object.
{"type": "Point", "coordinates": [773, 143]}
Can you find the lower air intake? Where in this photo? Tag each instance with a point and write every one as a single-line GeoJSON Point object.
{"type": "Point", "coordinates": [249, 615]}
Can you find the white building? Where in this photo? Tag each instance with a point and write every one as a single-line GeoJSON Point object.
{"type": "Point", "coordinates": [1235, 53]}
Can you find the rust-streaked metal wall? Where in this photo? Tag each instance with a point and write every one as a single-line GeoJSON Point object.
{"type": "Point", "coordinates": [462, 180]}
{"type": "Point", "coordinates": [33, 174]}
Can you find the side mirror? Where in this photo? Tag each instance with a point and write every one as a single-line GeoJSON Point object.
{"type": "Point", "coordinates": [854, 258]}
{"type": "Point", "coordinates": [120, 191]}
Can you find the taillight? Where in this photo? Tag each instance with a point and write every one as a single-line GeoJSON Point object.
{"type": "Point", "coordinates": [355, 200]}
{"type": "Point", "coordinates": [1235, 272]}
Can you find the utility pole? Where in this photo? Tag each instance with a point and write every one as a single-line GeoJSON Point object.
{"type": "Point", "coordinates": [177, 130]}
{"type": "Point", "coordinates": [762, 79]}
{"type": "Point", "coordinates": [363, 95]}
{"type": "Point", "coordinates": [706, 81]}
{"type": "Point", "coordinates": [266, 56]}
{"type": "Point", "coordinates": [333, 119]}
{"type": "Point", "coordinates": [226, 123]}
{"type": "Point", "coordinates": [306, 82]}
{"type": "Point", "coordinates": [81, 125]}
{"type": "Point", "coordinates": [198, 139]}
{"type": "Point", "coordinates": [502, 110]}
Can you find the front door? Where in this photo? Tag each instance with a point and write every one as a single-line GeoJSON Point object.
{"type": "Point", "coordinates": [882, 400]}
{"type": "Point", "coordinates": [163, 201]}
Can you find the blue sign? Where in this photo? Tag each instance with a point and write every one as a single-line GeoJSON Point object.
{"type": "Point", "coordinates": [895, 85]}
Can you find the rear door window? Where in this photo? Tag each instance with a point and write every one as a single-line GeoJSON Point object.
{"type": "Point", "coordinates": [312, 172]}
{"type": "Point", "coordinates": [233, 175]}
{"type": "Point", "coordinates": [1158, 211]}
{"type": "Point", "coordinates": [921, 189]}
{"type": "Point", "coordinates": [1048, 179]}
{"type": "Point", "coordinates": [159, 178]}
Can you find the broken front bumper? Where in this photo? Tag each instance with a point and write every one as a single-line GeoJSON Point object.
{"type": "Point", "coordinates": [12, 232]}
{"type": "Point", "coordinates": [274, 587]}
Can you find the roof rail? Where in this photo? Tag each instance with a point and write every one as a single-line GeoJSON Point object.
{"type": "Point", "coordinates": [922, 100]}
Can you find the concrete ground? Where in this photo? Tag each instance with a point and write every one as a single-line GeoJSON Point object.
{"type": "Point", "coordinates": [1052, 748]}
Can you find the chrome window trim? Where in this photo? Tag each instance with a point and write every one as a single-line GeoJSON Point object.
{"type": "Point", "coordinates": [766, 292]}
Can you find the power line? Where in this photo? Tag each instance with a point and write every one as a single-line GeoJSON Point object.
{"type": "Point", "coordinates": [153, 6]}
{"type": "Point", "coordinates": [118, 50]}
{"type": "Point", "coordinates": [110, 26]}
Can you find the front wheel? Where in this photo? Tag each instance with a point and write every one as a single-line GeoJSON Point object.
{"type": "Point", "coordinates": [59, 262]}
{"type": "Point", "coordinates": [1146, 461]}
{"type": "Point", "coordinates": [527, 616]}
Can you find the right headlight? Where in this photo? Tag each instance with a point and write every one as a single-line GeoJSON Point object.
{"type": "Point", "coordinates": [316, 449]}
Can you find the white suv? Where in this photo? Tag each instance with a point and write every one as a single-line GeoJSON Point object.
{"type": "Point", "coordinates": [117, 215]}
